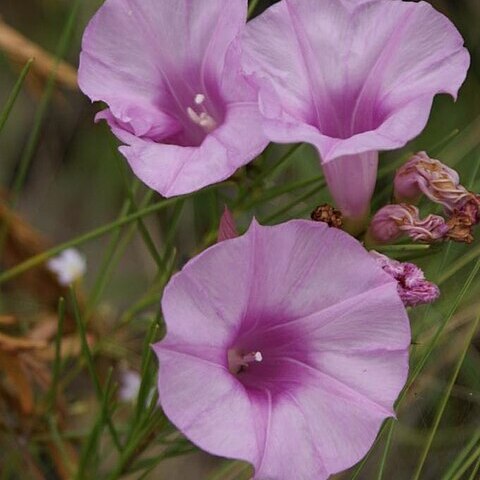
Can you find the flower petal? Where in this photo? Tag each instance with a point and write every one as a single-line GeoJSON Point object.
{"type": "Point", "coordinates": [292, 262]}
{"type": "Point", "coordinates": [219, 419]}
{"type": "Point", "coordinates": [362, 73]}
{"type": "Point", "coordinates": [289, 451]}
{"type": "Point", "coordinates": [176, 170]}
{"type": "Point", "coordinates": [137, 50]}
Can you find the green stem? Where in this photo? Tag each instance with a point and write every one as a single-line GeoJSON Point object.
{"type": "Point", "coordinates": [468, 463]}
{"type": "Point", "coordinates": [455, 465]}
{"type": "Point", "coordinates": [388, 442]}
{"type": "Point", "coordinates": [34, 137]}
{"type": "Point", "coordinates": [14, 94]}
{"type": "Point", "coordinates": [93, 234]}
{"type": "Point", "coordinates": [87, 354]}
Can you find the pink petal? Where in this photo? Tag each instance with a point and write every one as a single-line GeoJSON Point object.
{"type": "Point", "coordinates": [227, 228]}
{"type": "Point", "coordinates": [219, 419]}
{"type": "Point", "coordinates": [176, 170]}
{"type": "Point", "coordinates": [294, 284]}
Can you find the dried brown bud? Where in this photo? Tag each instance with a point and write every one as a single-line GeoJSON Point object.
{"type": "Point", "coordinates": [460, 228]}
{"type": "Point", "coordinates": [329, 215]}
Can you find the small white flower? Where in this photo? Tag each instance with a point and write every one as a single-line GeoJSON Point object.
{"type": "Point", "coordinates": [129, 386]}
{"type": "Point", "coordinates": [130, 383]}
{"type": "Point", "coordinates": [69, 266]}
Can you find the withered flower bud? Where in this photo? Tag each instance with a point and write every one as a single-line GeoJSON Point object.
{"type": "Point", "coordinates": [430, 177]}
{"type": "Point", "coordinates": [327, 214]}
{"type": "Point", "coordinates": [393, 221]}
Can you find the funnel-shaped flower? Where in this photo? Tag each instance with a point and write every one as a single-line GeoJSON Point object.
{"type": "Point", "coordinates": [170, 74]}
{"type": "Point", "coordinates": [286, 347]}
{"type": "Point", "coordinates": [352, 78]}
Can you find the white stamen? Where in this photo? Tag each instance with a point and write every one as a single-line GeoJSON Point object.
{"type": "Point", "coordinates": [204, 120]}
{"type": "Point", "coordinates": [194, 116]}
{"type": "Point", "coordinates": [199, 98]}
{"type": "Point", "coordinates": [252, 357]}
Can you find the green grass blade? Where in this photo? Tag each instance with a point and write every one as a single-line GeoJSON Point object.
{"type": "Point", "coordinates": [57, 363]}
{"type": "Point", "coordinates": [468, 463]}
{"type": "Point", "coordinates": [87, 354]}
{"type": "Point", "coordinates": [444, 401]}
{"type": "Point", "coordinates": [14, 94]}
{"type": "Point", "coordinates": [90, 448]}
{"type": "Point", "coordinates": [252, 6]}
{"type": "Point", "coordinates": [34, 136]}
{"type": "Point", "coordinates": [463, 454]}
{"type": "Point", "coordinates": [91, 235]}
{"type": "Point", "coordinates": [475, 470]}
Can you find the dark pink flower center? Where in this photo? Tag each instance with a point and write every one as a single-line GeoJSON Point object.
{"type": "Point", "coordinates": [198, 112]}
{"type": "Point", "coordinates": [351, 113]}
{"type": "Point", "coordinates": [269, 357]}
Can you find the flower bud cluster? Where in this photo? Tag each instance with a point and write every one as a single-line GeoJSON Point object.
{"type": "Point", "coordinates": [423, 175]}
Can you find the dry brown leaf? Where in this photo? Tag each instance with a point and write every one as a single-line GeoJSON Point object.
{"type": "Point", "coordinates": [7, 320]}
{"type": "Point", "coordinates": [18, 381]}
{"type": "Point", "coordinates": [22, 243]}
{"type": "Point", "coordinates": [21, 49]}
{"type": "Point", "coordinates": [65, 466]}
{"type": "Point", "coordinates": [71, 347]}
{"type": "Point", "coordinates": [45, 329]}
{"type": "Point", "coordinates": [16, 344]}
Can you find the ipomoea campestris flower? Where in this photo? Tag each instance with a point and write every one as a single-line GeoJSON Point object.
{"type": "Point", "coordinates": [170, 74]}
{"type": "Point", "coordinates": [285, 347]}
{"type": "Point", "coordinates": [351, 77]}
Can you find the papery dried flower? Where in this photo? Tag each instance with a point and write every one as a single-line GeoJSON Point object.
{"type": "Point", "coordinates": [69, 266]}
{"type": "Point", "coordinates": [460, 228]}
{"type": "Point", "coordinates": [170, 73]}
{"type": "Point", "coordinates": [352, 78]}
{"type": "Point", "coordinates": [227, 228]}
{"type": "Point", "coordinates": [412, 286]}
{"type": "Point", "coordinates": [425, 175]}
{"type": "Point", "coordinates": [469, 206]}
{"type": "Point", "coordinates": [393, 221]}
{"type": "Point", "coordinates": [285, 347]}
{"type": "Point", "coordinates": [329, 215]}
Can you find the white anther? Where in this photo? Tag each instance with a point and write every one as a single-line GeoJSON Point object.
{"type": "Point", "coordinates": [258, 357]}
{"type": "Point", "coordinates": [199, 98]}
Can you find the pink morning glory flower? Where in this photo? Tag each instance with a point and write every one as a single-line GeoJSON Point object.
{"type": "Point", "coordinates": [352, 78]}
{"type": "Point", "coordinates": [170, 74]}
{"type": "Point", "coordinates": [286, 347]}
